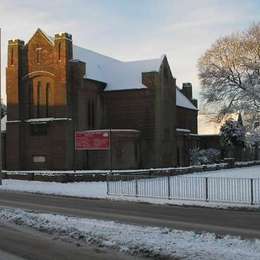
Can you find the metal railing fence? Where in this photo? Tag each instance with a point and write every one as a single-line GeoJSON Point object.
{"type": "Point", "coordinates": [210, 189]}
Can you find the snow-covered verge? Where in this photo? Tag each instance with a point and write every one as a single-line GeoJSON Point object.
{"type": "Point", "coordinates": [229, 186]}
{"type": "Point", "coordinates": [77, 189]}
{"type": "Point", "coordinates": [99, 190]}
{"type": "Point", "coordinates": [137, 240]}
{"type": "Point", "coordinates": [246, 172]}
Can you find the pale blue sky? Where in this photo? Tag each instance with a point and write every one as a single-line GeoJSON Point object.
{"type": "Point", "coordinates": [133, 29]}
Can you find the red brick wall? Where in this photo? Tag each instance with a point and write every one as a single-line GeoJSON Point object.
{"type": "Point", "coordinates": [130, 109]}
{"type": "Point", "coordinates": [133, 109]}
{"type": "Point", "coordinates": [125, 153]}
{"type": "Point", "coordinates": [150, 110]}
{"type": "Point", "coordinates": [44, 61]}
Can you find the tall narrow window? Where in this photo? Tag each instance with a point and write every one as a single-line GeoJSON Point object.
{"type": "Point", "coordinates": [30, 100]}
{"type": "Point", "coordinates": [89, 114]}
{"type": "Point", "coordinates": [12, 56]}
{"type": "Point", "coordinates": [38, 98]}
{"type": "Point", "coordinates": [47, 99]}
{"type": "Point", "coordinates": [38, 55]}
{"type": "Point", "coordinates": [59, 51]}
{"type": "Point", "coordinates": [93, 114]}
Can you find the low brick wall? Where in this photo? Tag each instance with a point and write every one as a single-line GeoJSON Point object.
{"type": "Point", "coordinates": [89, 176]}
{"type": "Point", "coordinates": [62, 177]}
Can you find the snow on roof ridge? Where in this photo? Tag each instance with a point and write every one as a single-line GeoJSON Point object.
{"type": "Point", "coordinates": [115, 59]}
{"type": "Point", "coordinates": [144, 60]}
{"type": "Point", "coordinates": [95, 52]}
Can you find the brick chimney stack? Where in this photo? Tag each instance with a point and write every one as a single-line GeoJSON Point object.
{"type": "Point", "coordinates": [187, 92]}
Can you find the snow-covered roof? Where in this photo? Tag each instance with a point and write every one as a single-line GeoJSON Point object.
{"type": "Point", "coordinates": [182, 101]}
{"type": "Point", "coordinates": [117, 74]}
{"type": "Point", "coordinates": [184, 130]}
{"type": "Point", "coordinates": [47, 119]}
{"type": "Point", "coordinates": [121, 75]}
{"type": "Point", "coordinates": [3, 123]}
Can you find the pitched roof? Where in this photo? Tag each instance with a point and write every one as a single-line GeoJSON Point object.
{"type": "Point", "coordinates": [120, 75]}
{"type": "Point", "coordinates": [48, 38]}
{"type": "Point", "coordinates": [182, 101]}
{"type": "Point", "coordinates": [117, 74]}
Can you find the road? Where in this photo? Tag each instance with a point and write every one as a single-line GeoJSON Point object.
{"type": "Point", "coordinates": [20, 243]}
{"type": "Point", "coordinates": [233, 222]}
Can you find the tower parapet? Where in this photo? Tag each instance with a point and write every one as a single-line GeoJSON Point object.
{"type": "Point", "coordinates": [16, 42]}
{"type": "Point", "coordinates": [63, 35]}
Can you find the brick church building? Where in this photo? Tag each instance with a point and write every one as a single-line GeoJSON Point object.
{"type": "Point", "coordinates": [55, 88]}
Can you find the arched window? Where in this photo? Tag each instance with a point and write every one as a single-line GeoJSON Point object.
{"type": "Point", "coordinates": [47, 99]}
{"type": "Point", "coordinates": [38, 56]}
{"type": "Point", "coordinates": [91, 114]}
{"type": "Point", "coordinates": [38, 52]}
{"type": "Point", "coordinates": [12, 56]}
{"type": "Point", "coordinates": [38, 98]}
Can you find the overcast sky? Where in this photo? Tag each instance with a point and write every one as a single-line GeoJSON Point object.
{"type": "Point", "coordinates": [132, 29]}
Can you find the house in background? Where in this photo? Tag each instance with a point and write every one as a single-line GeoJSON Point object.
{"type": "Point", "coordinates": [55, 88]}
{"type": "Point", "coordinates": [209, 128]}
{"type": "Point", "coordinates": [209, 125]}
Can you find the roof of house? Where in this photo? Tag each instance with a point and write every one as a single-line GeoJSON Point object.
{"type": "Point", "coordinates": [117, 74]}
{"type": "Point", "coordinates": [182, 101]}
{"type": "Point", "coordinates": [120, 75]}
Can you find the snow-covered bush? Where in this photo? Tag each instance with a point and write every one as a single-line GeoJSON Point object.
{"type": "Point", "coordinates": [253, 136]}
{"type": "Point", "coordinates": [205, 156]}
{"type": "Point", "coordinates": [232, 134]}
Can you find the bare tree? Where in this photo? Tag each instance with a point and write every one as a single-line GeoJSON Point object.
{"type": "Point", "coordinates": [230, 73]}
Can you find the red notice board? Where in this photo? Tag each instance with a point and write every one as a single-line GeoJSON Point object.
{"type": "Point", "coordinates": [92, 140]}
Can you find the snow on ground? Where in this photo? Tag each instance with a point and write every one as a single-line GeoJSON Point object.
{"type": "Point", "coordinates": [99, 189]}
{"type": "Point", "coordinates": [77, 189]}
{"type": "Point", "coordinates": [138, 240]}
{"type": "Point", "coordinates": [233, 186]}
{"type": "Point", "coordinates": [246, 172]}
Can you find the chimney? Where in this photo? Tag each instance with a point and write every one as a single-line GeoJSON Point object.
{"type": "Point", "coordinates": [187, 90]}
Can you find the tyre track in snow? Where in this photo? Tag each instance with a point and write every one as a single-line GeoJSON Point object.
{"type": "Point", "coordinates": [223, 222]}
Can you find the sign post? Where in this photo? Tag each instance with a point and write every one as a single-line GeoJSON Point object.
{"type": "Point", "coordinates": [110, 151]}
{"type": "Point", "coordinates": [1, 106]}
{"type": "Point", "coordinates": [93, 140]}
